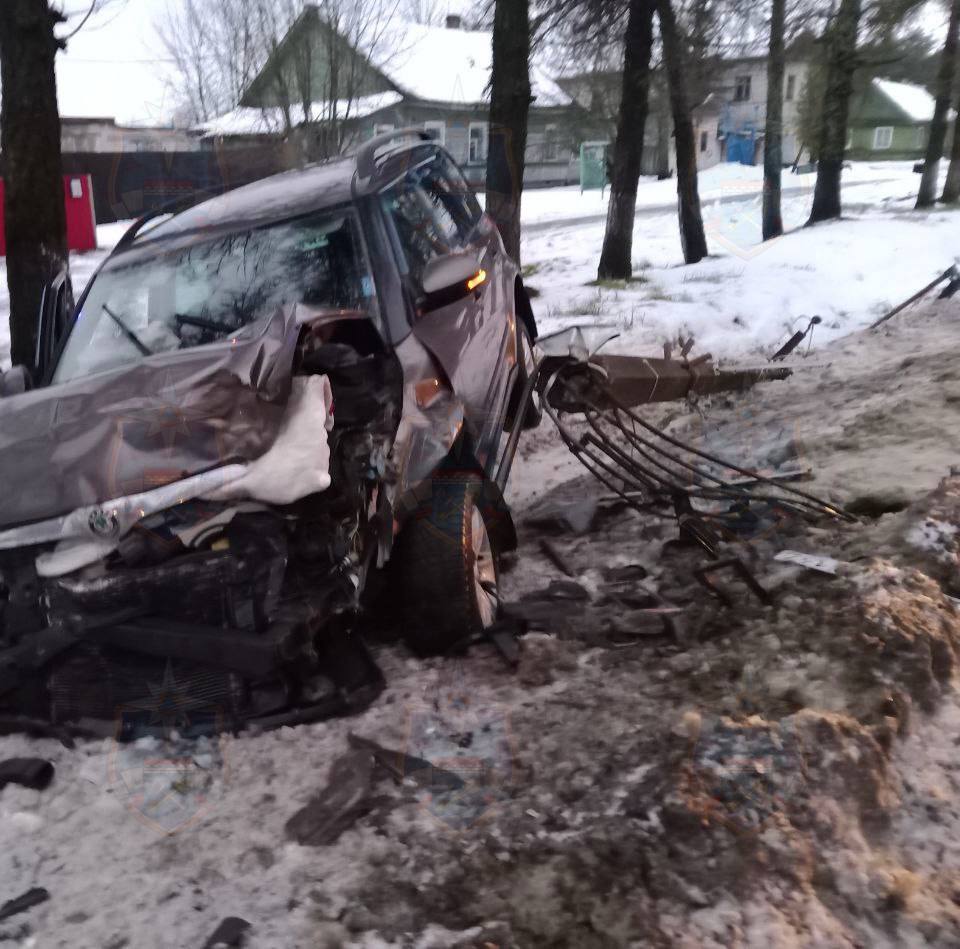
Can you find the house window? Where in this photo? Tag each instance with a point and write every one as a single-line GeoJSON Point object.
{"type": "Point", "coordinates": [741, 92]}
{"type": "Point", "coordinates": [477, 139]}
{"type": "Point", "coordinates": [703, 141]}
{"type": "Point", "coordinates": [436, 130]}
{"type": "Point", "coordinates": [380, 129]}
{"type": "Point", "coordinates": [551, 146]}
{"type": "Point", "coordinates": [882, 137]}
{"type": "Point", "coordinates": [791, 87]}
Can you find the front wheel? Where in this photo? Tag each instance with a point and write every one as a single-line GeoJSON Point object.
{"type": "Point", "coordinates": [448, 568]}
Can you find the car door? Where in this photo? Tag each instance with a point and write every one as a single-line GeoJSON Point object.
{"type": "Point", "coordinates": [432, 212]}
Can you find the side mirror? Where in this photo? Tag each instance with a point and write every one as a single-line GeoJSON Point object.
{"type": "Point", "coordinates": [448, 279]}
{"type": "Point", "coordinates": [15, 381]}
{"type": "Point", "coordinates": [56, 309]}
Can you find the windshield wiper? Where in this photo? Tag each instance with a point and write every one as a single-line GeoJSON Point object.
{"type": "Point", "coordinates": [129, 333]}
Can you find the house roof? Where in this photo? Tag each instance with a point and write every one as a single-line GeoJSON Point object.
{"type": "Point", "coordinates": [427, 63]}
{"type": "Point", "coordinates": [437, 64]}
{"type": "Point", "coordinates": [914, 101]}
{"type": "Point", "coordinates": [248, 120]}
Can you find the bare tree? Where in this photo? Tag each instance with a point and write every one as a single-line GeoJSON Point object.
{"type": "Point", "coordinates": [310, 63]}
{"type": "Point", "coordinates": [34, 214]}
{"type": "Point", "coordinates": [773, 135]}
{"type": "Point", "coordinates": [938, 126]}
{"type": "Point", "coordinates": [615, 257]}
{"type": "Point", "coordinates": [509, 109]}
{"type": "Point", "coordinates": [692, 236]}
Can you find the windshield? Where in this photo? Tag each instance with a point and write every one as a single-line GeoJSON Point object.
{"type": "Point", "coordinates": [214, 290]}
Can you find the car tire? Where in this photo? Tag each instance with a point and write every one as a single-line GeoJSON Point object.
{"type": "Point", "coordinates": [448, 568]}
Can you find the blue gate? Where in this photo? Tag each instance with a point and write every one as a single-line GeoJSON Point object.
{"type": "Point", "coordinates": [740, 148]}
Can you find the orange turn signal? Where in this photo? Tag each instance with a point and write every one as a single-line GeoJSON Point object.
{"type": "Point", "coordinates": [479, 277]}
{"type": "Point", "coordinates": [426, 391]}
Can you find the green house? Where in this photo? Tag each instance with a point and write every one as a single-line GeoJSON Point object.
{"type": "Point", "coordinates": [889, 120]}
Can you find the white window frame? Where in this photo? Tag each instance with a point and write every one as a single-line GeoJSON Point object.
{"type": "Point", "coordinates": [745, 83]}
{"type": "Point", "coordinates": [437, 126]}
{"type": "Point", "coordinates": [484, 142]}
{"type": "Point", "coordinates": [885, 141]}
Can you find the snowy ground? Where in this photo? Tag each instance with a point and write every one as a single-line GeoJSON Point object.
{"type": "Point", "coordinates": [749, 296]}
{"type": "Point", "coordinates": [617, 806]}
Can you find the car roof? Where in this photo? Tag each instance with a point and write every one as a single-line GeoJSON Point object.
{"type": "Point", "coordinates": [276, 198]}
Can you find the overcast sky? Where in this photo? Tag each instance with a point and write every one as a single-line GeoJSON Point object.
{"type": "Point", "coordinates": [116, 66]}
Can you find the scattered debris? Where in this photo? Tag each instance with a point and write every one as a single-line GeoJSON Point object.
{"type": "Point", "coordinates": [230, 934]}
{"type": "Point", "coordinates": [950, 274]}
{"type": "Point", "coordinates": [555, 557]}
{"type": "Point", "coordinates": [35, 773]}
{"type": "Point", "coordinates": [21, 904]}
{"type": "Point", "coordinates": [811, 561]}
{"type": "Point", "coordinates": [346, 798]}
{"type": "Point", "coordinates": [402, 766]}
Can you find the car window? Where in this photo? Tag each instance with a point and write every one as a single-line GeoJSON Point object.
{"type": "Point", "coordinates": [433, 210]}
{"type": "Point", "coordinates": [155, 301]}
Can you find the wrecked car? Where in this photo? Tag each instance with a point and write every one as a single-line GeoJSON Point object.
{"type": "Point", "coordinates": [260, 402]}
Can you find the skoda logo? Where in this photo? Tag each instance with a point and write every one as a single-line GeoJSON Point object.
{"type": "Point", "coordinates": [103, 523]}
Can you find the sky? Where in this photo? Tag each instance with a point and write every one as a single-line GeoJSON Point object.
{"type": "Point", "coordinates": [116, 65]}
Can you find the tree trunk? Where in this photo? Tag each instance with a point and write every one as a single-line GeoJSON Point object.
{"type": "Point", "coordinates": [36, 227]}
{"type": "Point", "coordinates": [509, 106]}
{"type": "Point", "coordinates": [951, 190]}
{"type": "Point", "coordinates": [841, 64]}
{"type": "Point", "coordinates": [938, 125]}
{"type": "Point", "coordinates": [615, 258]}
{"type": "Point", "coordinates": [773, 135]}
{"type": "Point", "coordinates": [692, 238]}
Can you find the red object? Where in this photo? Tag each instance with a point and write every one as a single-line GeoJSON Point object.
{"type": "Point", "coordinates": [81, 220]}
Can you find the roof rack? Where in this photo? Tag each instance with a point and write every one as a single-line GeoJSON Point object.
{"type": "Point", "coordinates": [367, 153]}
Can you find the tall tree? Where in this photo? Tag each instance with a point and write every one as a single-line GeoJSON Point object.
{"type": "Point", "coordinates": [509, 108]}
{"type": "Point", "coordinates": [615, 258]}
{"type": "Point", "coordinates": [692, 237]}
{"type": "Point", "coordinates": [938, 126]}
{"type": "Point", "coordinates": [951, 188]}
{"type": "Point", "coordinates": [34, 213]}
{"type": "Point", "coordinates": [841, 64]}
{"type": "Point", "coordinates": [773, 135]}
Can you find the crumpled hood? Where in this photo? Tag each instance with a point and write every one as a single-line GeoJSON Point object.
{"type": "Point", "coordinates": [157, 421]}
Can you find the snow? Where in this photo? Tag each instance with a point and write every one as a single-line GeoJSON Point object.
{"type": "Point", "coordinates": [437, 64]}
{"type": "Point", "coordinates": [748, 296]}
{"type": "Point", "coordinates": [250, 121]}
{"type": "Point", "coordinates": [914, 101]}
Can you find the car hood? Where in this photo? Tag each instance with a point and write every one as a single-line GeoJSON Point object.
{"type": "Point", "coordinates": [159, 420]}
